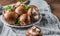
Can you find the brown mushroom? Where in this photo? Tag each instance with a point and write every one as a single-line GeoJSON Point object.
{"type": "Point", "coordinates": [35, 13]}
{"type": "Point", "coordinates": [29, 13]}
{"type": "Point", "coordinates": [10, 17]}
{"type": "Point", "coordinates": [35, 7]}
{"type": "Point", "coordinates": [34, 31]}
{"type": "Point", "coordinates": [16, 5]}
{"type": "Point", "coordinates": [20, 10]}
{"type": "Point", "coordinates": [22, 19]}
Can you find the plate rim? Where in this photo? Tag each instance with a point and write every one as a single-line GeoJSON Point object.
{"type": "Point", "coordinates": [14, 26]}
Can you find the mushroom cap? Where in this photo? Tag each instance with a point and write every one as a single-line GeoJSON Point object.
{"type": "Point", "coordinates": [33, 11]}
{"type": "Point", "coordinates": [22, 19]}
{"type": "Point", "coordinates": [16, 5]}
{"type": "Point", "coordinates": [10, 17]}
{"type": "Point", "coordinates": [35, 31]}
{"type": "Point", "coordinates": [35, 7]}
{"type": "Point", "coordinates": [20, 10]}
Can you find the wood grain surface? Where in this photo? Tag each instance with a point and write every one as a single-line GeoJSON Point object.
{"type": "Point", "coordinates": [55, 7]}
{"type": "Point", "coordinates": [6, 2]}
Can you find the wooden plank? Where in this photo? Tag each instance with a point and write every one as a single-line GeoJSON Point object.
{"type": "Point", "coordinates": [55, 7]}
{"type": "Point", "coordinates": [6, 2]}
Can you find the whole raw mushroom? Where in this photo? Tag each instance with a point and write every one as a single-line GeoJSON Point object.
{"type": "Point", "coordinates": [20, 10]}
{"type": "Point", "coordinates": [10, 16]}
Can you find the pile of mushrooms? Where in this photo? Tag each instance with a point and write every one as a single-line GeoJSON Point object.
{"type": "Point", "coordinates": [26, 14]}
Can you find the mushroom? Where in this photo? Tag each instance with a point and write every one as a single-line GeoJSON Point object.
{"type": "Point", "coordinates": [22, 19]}
{"type": "Point", "coordinates": [16, 5]}
{"type": "Point", "coordinates": [33, 6]}
{"type": "Point", "coordinates": [29, 13]}
{"type": "Point", "coordinates": [20, 10]}
{"type": "Point", "coordinates": [34, 31]}
{"type": "Point", "coordinates": [35, 12]}
{"type": "Point", "coordinates": [10, 17]}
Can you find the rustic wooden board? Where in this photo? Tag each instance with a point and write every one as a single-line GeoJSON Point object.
{"type": "Point", "coordinates": [6, 2]}
{"type": "Point", "coordinates": [55, 7]}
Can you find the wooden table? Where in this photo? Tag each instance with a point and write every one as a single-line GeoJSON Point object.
{"type": "Point", "coordinates": [55, 7]}
{"type": "Point", "coordinates": [5, 2]}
